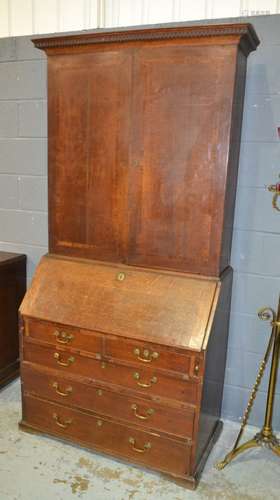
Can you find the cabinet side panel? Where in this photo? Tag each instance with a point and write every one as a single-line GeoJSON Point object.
{"type": "Point", "coordinates": [215, 363]}
{"type": "Point", "coordinates": [236, 126]}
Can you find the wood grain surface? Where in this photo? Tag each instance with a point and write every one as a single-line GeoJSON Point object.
{"type": "Point", "coordinates": [70, 391]}
{"type": "Point", "coordinates": [144, 145]}
{"type": "Point", "coordinates": [166, 308]}
{"type": "Point", "coordinates": [125, 325]}
{"type": "Point", "coordinates": [12, 289]}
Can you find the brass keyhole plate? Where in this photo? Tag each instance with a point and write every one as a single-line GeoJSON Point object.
{"type": "Point", "coordinates": [121, 276]}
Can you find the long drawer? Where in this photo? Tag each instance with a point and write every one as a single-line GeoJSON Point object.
{"type": "Point", "coordinates": [114, 438]}
{"type": "Point", "coordinates": [116, 348]}
{"type": "Point", "coordinates": [145, 380]}
{"type": "Point", "coordinates": [65, 390]}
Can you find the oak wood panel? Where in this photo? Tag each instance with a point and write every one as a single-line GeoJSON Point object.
{"type": "Point", "coordinates": [89, 153]}
{"type": "Point", "coordinates": [164, 454]}
{"type": "Point", "coordinates": [49, 384]}
{"type": "Point", "coordinates": [136, 128]}
{"type": "Point", "coordinates": [242, 34]}
{"type": "Point", "coordinates": [62, 335]}
{"type": "Point", "coordinates": [167, 308]}
{"type": "Point", "coordinates": [182, 107]}
{"type": "Point", "coordinates": [158, 384]}
{"type": "Point", "coordinates": [114, 348]}
{"type": "Point", "coordinates": [152, 355]}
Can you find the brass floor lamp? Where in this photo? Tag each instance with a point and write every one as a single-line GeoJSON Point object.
{"type": "Point", "coordinates": [265, 437]}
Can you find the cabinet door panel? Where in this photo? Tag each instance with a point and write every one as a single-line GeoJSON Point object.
{"type": "Point", "coordinates": [89, 124]}
{"type": "Point", "coordinates": [182, 110]}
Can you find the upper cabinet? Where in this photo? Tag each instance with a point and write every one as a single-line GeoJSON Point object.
{"type": "Point", "coordinates": [144, 131]}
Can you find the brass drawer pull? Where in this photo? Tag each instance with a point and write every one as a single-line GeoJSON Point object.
{"type": "Point", "coordinates": [63, 337]}
{"type": "Point", "coordinates": [149, 412]}
{"type": "Point", "coordinates": [67, 392]}
{"type": "Point", "coordinates": [153, 380]}
{"type": "Point", "coordinates": [147, 356]}
{"type": "Point", "coordinates": [64, 424]}
{"type": "Point", "coordinates": [69, 361]}
{"type": "Point", "coordinates": [275, 188]}
{"type": "Point", "coordinates": [147, 446]}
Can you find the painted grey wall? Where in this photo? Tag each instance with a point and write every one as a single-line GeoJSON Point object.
{"type": "Point", "coordinates": [256, 242]}
{"type": "Point", "coordinates": [23, 149]}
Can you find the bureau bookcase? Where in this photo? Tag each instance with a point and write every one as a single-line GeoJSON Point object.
{"type": "Point", "coordinates": [124, 328]}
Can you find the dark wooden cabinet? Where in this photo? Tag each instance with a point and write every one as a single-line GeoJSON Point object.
{"type": "Point", "coordinates": [150, 122]}
{"type": "Point", "coordinates": [124, 329]}
{"type": "Point", "coordinates": [12, 290]}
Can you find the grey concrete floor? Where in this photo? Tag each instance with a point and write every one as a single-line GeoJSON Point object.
{"type": "Point", "coordinates": [38, 468]}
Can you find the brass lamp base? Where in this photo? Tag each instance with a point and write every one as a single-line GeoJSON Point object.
{"type": "Point", "coordinates": [260, 439]}
{"type": "Point", "coordinates": [265, 437]}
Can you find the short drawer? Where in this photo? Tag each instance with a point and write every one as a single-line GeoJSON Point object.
{"type": "Point", "coordinates": [154, 355]}
{"type": "Point", "coordinates": [145, 381]}
{"type": "Point", "coordinates": [57, 358]}
{"type": "Point", "coordinates": [52, 385]}
{"type": "Point", "coordinates": [61, 335]}
{"type": "Point", "coordinates": [108, 436]}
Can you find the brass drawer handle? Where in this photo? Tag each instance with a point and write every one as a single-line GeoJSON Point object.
{"type": "Point", "coordinates": [147, 356]}
{"type": "Point", "coordinates": [149, 412]}
{"type": "Point", "coordinates": [64, 424]}
{"type": "Point", "coordinates": [63, 337]}
{"type": "Point", "coordinates": [67, 392]}
{"type": "Point", "coordinates": [147, 446]}
{"type": "Point", "coordinates": [275, 188]}
{"type": "Point", "coordinates": [153, 380]}
{"type": "Point", "coordinates": [69, 361]}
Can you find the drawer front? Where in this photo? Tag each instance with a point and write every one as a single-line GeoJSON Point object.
{"type": "Point", "coordinates": [149, 414]}
{"type": "Point", "coordinates": [145, 381]}
{"type": "Point", "coordinates": [64, 336]}
{"type": "Point", "coordinates": [62, 360]}
{"type": "Point", "coordinates": [153, 355]}
{"type": "Point", "coordinates": [111, 437]}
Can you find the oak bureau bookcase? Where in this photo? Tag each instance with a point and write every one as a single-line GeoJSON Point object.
{"type": "Point", "coordinates": [124, 328]}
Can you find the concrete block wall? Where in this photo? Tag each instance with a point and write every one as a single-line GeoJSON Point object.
{"type": "Point", "coordinates": [256, 239]}
{"type": "Point", "coordinates": [256, 242]}
{"type": "Point", "coordinates": [23, 150]}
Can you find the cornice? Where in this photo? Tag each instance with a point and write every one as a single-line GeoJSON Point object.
{"type": "Point", "coordinates": [248, 37]}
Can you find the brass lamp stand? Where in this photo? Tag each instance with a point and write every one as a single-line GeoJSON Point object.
{"type": "Point", "coordinates": [265, 437]}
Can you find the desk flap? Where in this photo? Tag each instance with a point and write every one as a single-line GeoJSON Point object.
{"type": "Point", "coordinates": [163, 307]}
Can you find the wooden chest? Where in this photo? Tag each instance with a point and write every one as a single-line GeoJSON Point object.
{"type": "Point", "coordinates": [124, 328]}
{"type": "Point", "coordinates": [12, 290]}
{"type": "Point", "coordinates": [124, 361]}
